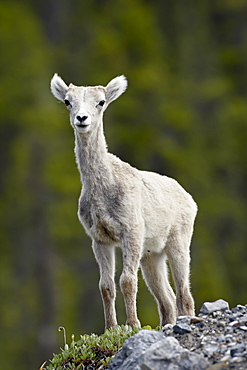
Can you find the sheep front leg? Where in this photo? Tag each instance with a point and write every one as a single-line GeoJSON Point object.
{"type": "Point", "coordinates": [105, 256]}
{"type": "Point", "coordinates": [128, 281]}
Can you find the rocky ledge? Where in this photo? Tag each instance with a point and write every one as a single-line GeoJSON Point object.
{"type": "Point", "coordinates": [216, 339]}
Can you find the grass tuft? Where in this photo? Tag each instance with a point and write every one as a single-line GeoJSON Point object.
{"type": "Point", "coordinates": [92, 351]}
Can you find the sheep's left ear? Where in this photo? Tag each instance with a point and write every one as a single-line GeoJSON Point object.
{"type": "Point", "coordinates": [58, 87]}
{"type": "Point", "coordinates": [115, 88]}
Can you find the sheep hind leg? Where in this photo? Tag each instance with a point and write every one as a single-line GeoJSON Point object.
{"type": "Point", "coordinates": [154, 271]}
{"type": "Point", "coordinates": [178, 253]}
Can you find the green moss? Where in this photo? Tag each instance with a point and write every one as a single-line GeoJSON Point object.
{"type": "Point", "coordinates": [94, 350]}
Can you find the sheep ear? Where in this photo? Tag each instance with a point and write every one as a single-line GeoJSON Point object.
{"type": "Point", "coordinates": [58, 87]}
{"type": "Point", "coordinates": [115, 88]}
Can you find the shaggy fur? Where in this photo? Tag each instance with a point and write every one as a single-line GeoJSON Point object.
{"type": "Point", "coordinates": [149, 216]}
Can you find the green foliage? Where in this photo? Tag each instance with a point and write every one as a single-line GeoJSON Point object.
{"type": "Point", "coordinates": [94, 350]}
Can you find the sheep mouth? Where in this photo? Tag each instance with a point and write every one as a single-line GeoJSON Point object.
{"type": "Point", "coordinates": [82, 125]}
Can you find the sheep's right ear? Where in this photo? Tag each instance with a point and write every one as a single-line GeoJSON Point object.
{"type": "Point", "coordinates": [58, 87]}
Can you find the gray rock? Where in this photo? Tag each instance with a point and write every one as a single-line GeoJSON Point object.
{"type": "Point", "coordinates": [243, 319]}
{"type": "Point", "coordinates": [134, 349]}
{"type": "Point", "coordinates": [210, 348]}
{"type": "Point", "coordinates": [209, 307]}
{"type": "Point", "coordinates": [238, 349]}
{"type": "Point", "coordinates": [167, 329]}
{"type": "Point", "coordinates": [218, 342]}
{"type": "Point", "coordinates": [222, 338]}
{"type": "Point", "coordinates": [243, 328]}
{"type": "Point", "coordinates": [168, 354]}
{"type": "Point", "coordinates": [241, 307]}
{"type": "Point", "coordinates": [148, 351]}
{"type": "Point", "coordinates": [181, 328]}
{"type": "Point", "coordinates": [183, 320]}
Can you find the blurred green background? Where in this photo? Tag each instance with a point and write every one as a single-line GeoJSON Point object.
{"type": "Point", "coordinates": [183, 115]}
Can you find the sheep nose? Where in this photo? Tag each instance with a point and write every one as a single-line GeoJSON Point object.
{"type": "Point", "coordinates": [81, 118]}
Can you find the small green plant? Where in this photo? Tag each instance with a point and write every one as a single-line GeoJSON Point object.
{"type": "Point", "coordinates": [94, 351]}
{"type": "Point", "coordinates": [61, 328]}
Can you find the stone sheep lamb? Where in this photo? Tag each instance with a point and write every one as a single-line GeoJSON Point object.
{"type": "Point", "coordinates": [149, 216]}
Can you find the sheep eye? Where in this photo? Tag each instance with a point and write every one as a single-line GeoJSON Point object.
{"type": "Point", "coordinates": [67, 102]}
{"type": "Point", "coordinates": [101, 103]}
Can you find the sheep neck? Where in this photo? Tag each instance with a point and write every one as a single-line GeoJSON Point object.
{"type": "Point", "coordinates": [93, 160]}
